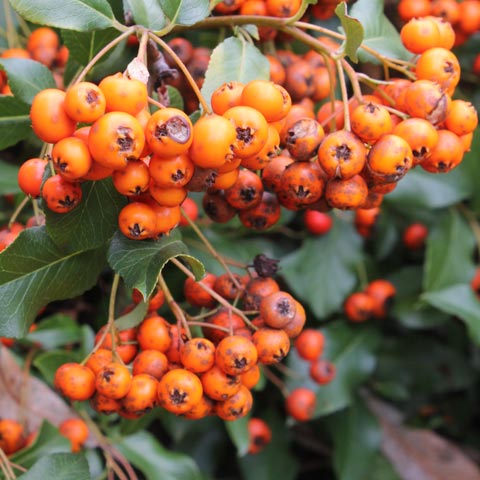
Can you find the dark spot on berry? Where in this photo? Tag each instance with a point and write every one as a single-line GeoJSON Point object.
{"type": "Point", "coordinates": [178, 397]}
{"type": "Point", "coordinates": [244, 135]}
{"type": "Point", "coordinates": [175, 128]}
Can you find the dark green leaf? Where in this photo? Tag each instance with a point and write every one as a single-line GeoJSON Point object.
{"type": "Point", "coordinates": [353, 31]}
{"type": "Point", "coordinates": [15, 124]}
{"type": "Point", "coordinates": [8, 178]}
{"type": "Point", "coordinates": [83, 46]}
{"type": "Point", "coordinates": [323, 270]}
{"type": "Point", "coordinates": [82, 15]}
{"type": "Point", "coordinates": [133, 318]}
{"type": "Point", "coordinates": [356, 437]}
{"type": "Point", "coordinates": [380, 34]}
{"type": "Point", "coordinates": [48, 362]}
{"type": "Point", "coordinates": [29, 281]}
{"type": "Point", "coordinates": [55, 331]}
{"type": "Point", "coordinates": [186, 12]}
{"type": "Point", "coordinates": [60, 466]}
{"type": "Point", "coordinates": [148, 13]}
{"type": "Point", "coordinates": [380, 469]}
{"type": "Point", "coordinates": [234, 59]}
{"type": "Point", "coordinates": [449, 254]}
{"type": "Point", "coordinates": [48, 441]}
{"type": "Point", "coordinates": [26, 77]}
{"type": "Point", "coordinates": [140, 263]}
{"type": "Point", "coordinates": [421, 189]}
{"type": "Point", "coordinates": [145, 452]}
{"type": "Point", "coordinates": [470, 169]}
{"type": "Point", "coordinates": [461, 301]}
{"type": "Point", "coordinates": [352, 350]}
{"type": "Point", "coordinates": [92, 223]}
{"type": "Point", "coordinates": [239, 435]}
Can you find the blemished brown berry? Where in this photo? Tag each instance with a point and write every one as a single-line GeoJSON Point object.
{"type": "Point", "coordinates": [322, 371]}
{"type": "Point", "coordinates": [222, 318]}
{"type": "Point", "coordinates": [229, 286]}
{"type": "Point", "coordinates": [235, 407]}
{"type": "Point", "coordinates": [179, 391]}
{"type": "Point", "coordinates": [106, 405]}
{"type": "Point", "coordinates": [151, 362]}
{"type": "Point", "coordinates": [218, 385]}
{"type": "Point", "coordinates": [263, 215]}
{"type": "Point", "coordinates": [75, 381]}
{"type": "Point", "coordinates": [258, 288]}
{"type": "Point", "coordinates": [235, 354]}
{"type": "Point", "coordinates": [113, 380]}
{"type": "Point", "coordinates": [277, 309]}
{"type": "Point", "coordinates": [303, 138]}
{"type": "Point", "coordinates": [300, 404]}
{"type": "Point", "coordinates": [350, 193]}
{"type": "Point", "coordinates": [216, 206]}
{"type": "Point", "coordinates": [310, 344]}
{"type": "Point", "coordinates": [359, 307]}
{"type": "Point", "coordinates": [142, 394]}
{"type": "Point", "coordinates": [295, 326]}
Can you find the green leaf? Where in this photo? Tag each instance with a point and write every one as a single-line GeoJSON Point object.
{"type": "Point", "coordinates": [234, 59]}
{"type": "Point", "coordinates": [186, 12]}
{"type": "Point", "coordinates": [92, 223]}
{"type": "Point", "coordinates": [48, 362]}
{"type": "Point", "coordinates": [55, 331]}
{"type": "Point", "coordinates": [83, 46]}
{"type": "Point", "coordinates": [27, 77]}
{"type": "Point", "coordinates": [60, 466]}
{"type": "Point", "coordinates": [352, 350]}
{"type": "Point", "coordinates": [461, 301]}
{"type": "Point", "coordinates": [140, 263]}
{"type": "Point", "coordinates": [133, 318]}
{"type": "Point", "coordinates": [421, 189]}
{"type": "Point", "coordinates": [48, 441]}
{"type": "Point", "coordinates": [156, 462]}
{"type": "Point", "coordinates": [380, 34]}
{"type": "Point", "coordinates": [449, 253]}
{"type": "Point", "coordinates": [238, 433]}
{"type": "Point", "coordinates": [322, 272]}
{"type": "Point", "coordinates": [28, 281]}
{"type": "Point", "coordinates": [353, 31]}
{"type": "Point", "coordinates": [175, 97]}
{"type": "Point", "coordinates": [380, 469]}
{"type": "Point", "coordinates": [15, 124]}
{"type": "Point", "coordinates": [148, 13]}
{"type": "Point", "coordinates": [8, 178]}
{"type": "Point", "coordinates": [82, 15]}
{"type": "Point", "coordinates": [356, 438]}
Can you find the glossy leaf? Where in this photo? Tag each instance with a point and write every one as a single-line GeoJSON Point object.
{"type": "Point", "coordinates": [449, 253]}
{"type": "Point", "coordinates": [27, 77]}
{"type": "Point", "coordinates": [61, 466]}
{"type": "Point", "coordinates": [234, 59]}
{"type": "Point", "coordinates": [8, 178]}
{"type": "Point", "coordinates": [148, 13]}
{"type": "Point", "coordinates": [83, 46]}
{"type": "Point", "coordinates": [356, 438]}
{"type": "Point", "coordinates": [146, 453]}
{"type": "Point", "coordinates": [353, 30]}
{"type": "Point", "coordinates": [82, 15]}
{"type": "Point", "coordinates": [140, 263]}
{"type": "Point", "coordinates": [352, 350]}
{"type": "Point", "coordinates": [238, 434]}
{"type": "Point", "coordinates": [322, 272]}
{"type": "Point", "coordinates": [133, 318]}
{"type": "Point", "coordinates": [185, 12]}
{"type": "Point", "coordinates": [28, 282]}
{"type": "Point", "coordinates": [92, 223]}
{"type": "Point", "coordinates": [380, 34]}
{"type": "Point", "coordinates": [458, 300]}
{"type": "Point", "coordinates": [47, 442]}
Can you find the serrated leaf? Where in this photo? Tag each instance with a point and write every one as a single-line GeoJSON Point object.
{"type": "Point", "coordinates": [145, 452]}
{"type": "Point", "coordinates": [60, 466]}
{"type": "Point", "coordinates": [356, 436]}
{"type": "Point", "coordinates": [380, 34]}
{"type": "Point", "coordinates": [133, 318]}
{"type": "Point", "coordinates": [185, 12]}
{"type": "Point", "coordinates": [27, 77]}
{"type": "Point", "coordinates": [48, 441]}
{"type": "Point", "coordinates": [140, 263]}
{"type": "Point", "coordinates": [34, 272]}
{"type": "Point", "coordinates": [353, 30]}
{"type": "Point", "coordinates": [421, 189]}
{"type": "Point", "coordinates": [461, 301]}
{"type": "Point", "coordinates": [352, 350]}
{"type": "Point", "coordinates": [148, 13]}
{"type": "Point", "coordinates": [92, 223]}
{"type": "Point", "coordinates": [82, 15]}
{"type": "Point", "coordinates": [238, 433]}
{"type": "Point", "coordinates": [323, 270]}
{"type": "Point", "coordinates": [8, 178]}
{"type": "Point", "coordinates": [448, 257]}
{"type": "Point", "coordinates": [83, 46]}
{"type": "Point", "coordinates": [234, 59]}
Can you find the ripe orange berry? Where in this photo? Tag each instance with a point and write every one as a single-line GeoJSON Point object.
{"type": "Point", "coordinates": [226, 96]}
{"type": "Point", "coordinates": [310, 344]}
{"type": "Point", "coordinates": [75, 381]}
{"type": "Point", "coordinates": [272, 345]}
{"type": "Point", "coordinates": [246, 192]}
{"type": "Point", "coordinates": [50, 121]}
{"type": "Point", "coordinates": [218, 385]}
{"type": "Point", "coordinates": [426, 99]}
{"type": "Point", "coordinates": [256, 289]}
{"type": "Point", "coordinates": [133, 180]}
{"type": "Point", "coordinates": [462, 117]}
{"type": "Point", "coordinates": [414, 236]}
{"type": "Point", "coordinates": [11, 436]}
{"type": "Point", "coordinates": [198, 355]}
{"type": "Point", "coordinates": [202, 409]}
{"type": "Point", "coordinates": [270, 99]}
{"type": "Point", "coordinates": [446, 155]}
{"type": "Point", "coordinates": [123, 94]}
{"type": "Point", "coordinates": [370, 121]}
{"type": "Point", "coordinates": [85, 102]}
{"type": "Point", "coordinates": [251, 377]}
{"type": "Point", "coordinates": [408, 9]}
{"type": "Point", "coordinates": [61, 195]}
{"type": "Point", "coordinates": [71, 158]}
{"type": "Point", "coordinates": [282, 8]}
{"type": "Point", "coordinates": [277, 309]}
{"type": "Point", "coordinates": [300, 404]}
{"type": "Point", "coordinates": [151, 362]}
{"type": "Point", "coordinates": [42, 44]}
{"type": "Point", "coordinates": [30, 176]}
{"type": "Point", "coordinates": [99, 359]}
{"type": "Point", "coordinates": [190, 209]}
{"type": "Point", "coordinates": [235, 407]}
{"type": "Point", "coordinates": [125, 347]}
{"type": "Point", "coordinates": [222, 318]}
{"type": "Point", "coordinates": [179, 391]}
{"type": "Point", "coordinates": [420, 34]}
{"type": "Point", "coordinates": [137, 221]}
{"type": "Point", "coordinates": [142, 395]}
{"type": "Point", "coordinates": [259, 434]}
{"type": "Point", "coordinates": [113, 380]}
{"type": "Point", "coordinates": [76, 430]}
{"type": "Point", "coordinates": [263, 215]}
{"type": "Point", "coordinates": [235, 354]}
{"type": "Point", "coordinates": [196, 295]}
{"type": "Point", "coordinates": [154, 334]}
{"type": "Point", "coordinates": [350, 193]}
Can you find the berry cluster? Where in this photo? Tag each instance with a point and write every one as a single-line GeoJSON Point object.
{"type": "Point", "coordinates": [161, 364]}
